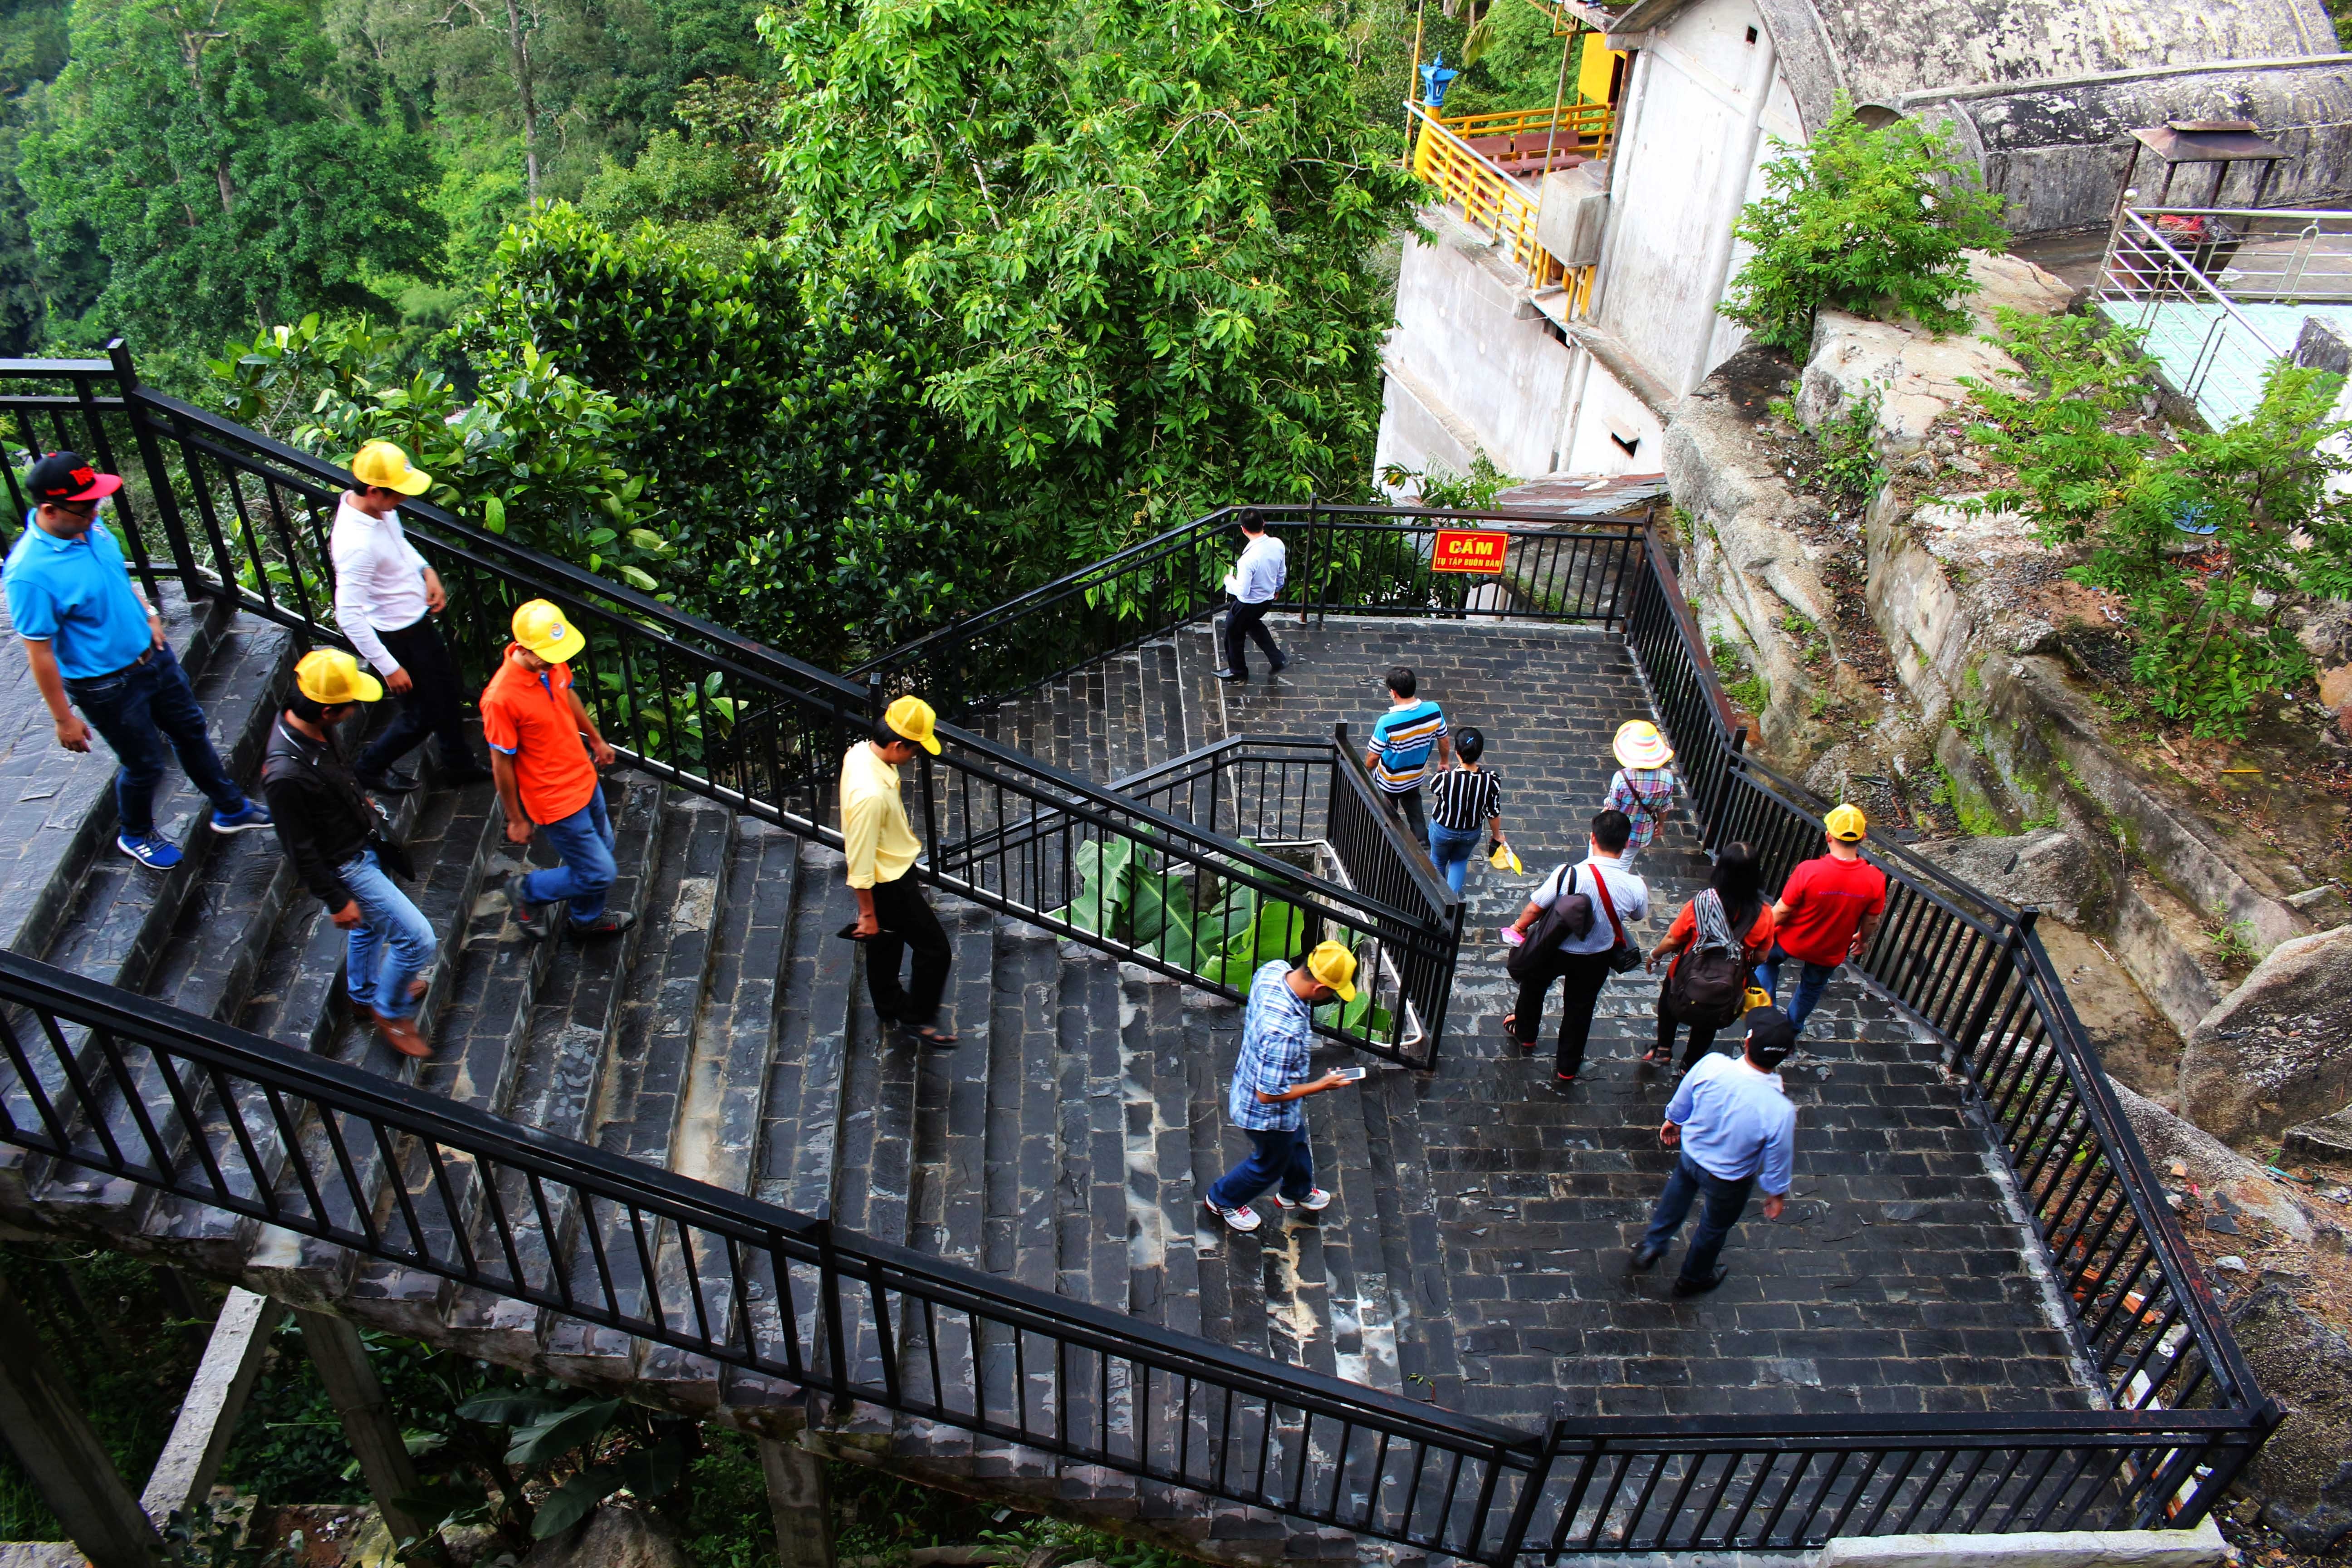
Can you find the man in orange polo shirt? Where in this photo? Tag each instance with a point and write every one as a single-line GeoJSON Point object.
{"type": "Point", "coordinates": [542, 745]}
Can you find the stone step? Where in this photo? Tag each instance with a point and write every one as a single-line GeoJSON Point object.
{"type": "Point", "coordinates": [634, 1111]}
{"type": "Point", "coordinates": [206, 967]}
{"type": "Point", "coordinates": [471, 851]}
{"type": "Point", "coordinates": [563, 1045]}
{"type": "Point", "coordinates": [121, 915]}
{"type": "Point", "coordinates": [297, 997]}
{"type": "Point", "coordinates": [62, 822]}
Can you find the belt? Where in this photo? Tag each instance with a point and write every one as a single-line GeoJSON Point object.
{"type": "Point", "coordinates": [72, 681]}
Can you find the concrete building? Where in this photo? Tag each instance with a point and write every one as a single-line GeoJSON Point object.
{"type": "Point", "coordinates": [1558, 314]}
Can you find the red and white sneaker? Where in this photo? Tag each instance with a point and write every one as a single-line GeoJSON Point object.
{"type": "Point", "coordinates": [1315, 1200]}
{"type": "Point", "coordinates": [1244, 1219]}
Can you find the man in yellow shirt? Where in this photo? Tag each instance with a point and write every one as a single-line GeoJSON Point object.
{"type": "Point", "coordinates": [891, 914]}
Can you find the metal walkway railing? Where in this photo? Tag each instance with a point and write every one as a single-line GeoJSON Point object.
{"type": "Point", "coordinates": [1062, 1378]}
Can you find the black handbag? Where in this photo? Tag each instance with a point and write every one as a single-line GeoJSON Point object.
{"type": "Point", "coordinates": [390, 852]}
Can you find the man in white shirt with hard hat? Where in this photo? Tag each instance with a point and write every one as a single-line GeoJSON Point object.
{"type": "Point", "coordinates": [385, 598]}
{"type": "Point", "coordinates": [881, 849]}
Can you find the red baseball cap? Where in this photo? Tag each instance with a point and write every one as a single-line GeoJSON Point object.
{"type": "Point", "coordinates": [63, 476]}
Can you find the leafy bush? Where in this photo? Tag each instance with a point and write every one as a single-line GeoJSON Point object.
{"type": "Point", "coordinates": [1443, 490]}
{"type": "Point", "coordinates": [777, 418]}
{"type": "Point", "coordinates": [2209, 642]}
{"type": "Point", "coordinates": [1867, 220]}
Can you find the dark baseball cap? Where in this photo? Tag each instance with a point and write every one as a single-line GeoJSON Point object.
{"type": "Point", "coordinates": [1771, 1038]}
{"type": "Point", "coordinates": [64, 476]}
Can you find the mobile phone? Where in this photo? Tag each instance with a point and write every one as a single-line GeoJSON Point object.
{"type": "Point", "coordinates": [1349, 1075]}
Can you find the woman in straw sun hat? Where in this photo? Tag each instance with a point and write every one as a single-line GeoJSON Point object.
{"type": "Point", "coordinates": [1644, 786]}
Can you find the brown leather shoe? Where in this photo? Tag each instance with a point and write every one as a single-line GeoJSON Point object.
{"type": "Point", "coordinates": [402, 1036]}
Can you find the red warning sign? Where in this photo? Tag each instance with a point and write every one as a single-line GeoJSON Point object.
{"type": "Point", "coordinates": [1468, 550]}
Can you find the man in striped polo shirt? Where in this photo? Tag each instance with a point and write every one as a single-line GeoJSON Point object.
{"type": "Point", "coordinates": [1402, 740]}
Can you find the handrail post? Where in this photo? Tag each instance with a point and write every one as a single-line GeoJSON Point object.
{"type": "Point", "coordinates": [1308, 598]}
{"type": "Point", "coordinates": [151, 458]}
{"type": "Point", "coordinates": [837, 1341]}
{"type": "Point", "coordinates": [1722, 791]}
{"type": "Point", "coordinates": [1506, 1551]}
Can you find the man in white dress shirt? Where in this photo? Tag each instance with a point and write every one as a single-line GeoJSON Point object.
{"type": "Point", "coordinates": [385, 599]}
{"type": "Point", "coordinates": [1256, 579]}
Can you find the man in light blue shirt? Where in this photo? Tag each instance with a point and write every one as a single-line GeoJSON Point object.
{"type": "Point", "coordinates": [1250, 591]}
{"type": "Point", "coordinates": [1737, 1131]}
{"type": "Point", "coordinates": [94, 642]}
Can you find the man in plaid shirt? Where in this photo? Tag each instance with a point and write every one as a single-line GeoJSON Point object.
{"type": "Point", "coordinates": [1270, 1079]}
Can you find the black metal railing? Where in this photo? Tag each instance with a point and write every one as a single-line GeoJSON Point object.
{"type": "Point", "coordinates": [755, 1289]}
{"type": "Point", "coordinates": [231, 514]}
{"type": "Point", "coordinates": [1311, 805]}
{"type": "Point", "coordinates": [1350, 560]}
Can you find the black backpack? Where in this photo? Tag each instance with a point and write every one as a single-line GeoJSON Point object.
{"type": "Point", "coordinates": [1710, 980]}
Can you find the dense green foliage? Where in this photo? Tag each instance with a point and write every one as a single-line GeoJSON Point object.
{"type": "Point", "coordinates": [780, 426]}
{"type": "Point", "coordinates": [906, 303]}
{"type": "Point", "coordinates": [1870, 220]}
{"type": "Point", "coordinates": [2206, 543]}
{"type": "Point", "coordinates": [1142, 227]}
{"type": "Point", "coordinates": [227, 165]}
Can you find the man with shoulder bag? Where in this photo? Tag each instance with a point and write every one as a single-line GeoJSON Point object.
{"type": "Point", "coordinates": [1573, 930]}
{"type": "Point", "coordinates": [335, 837]}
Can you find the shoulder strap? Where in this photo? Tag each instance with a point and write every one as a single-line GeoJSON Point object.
{"type": "Point", "coordinates": [1601, 883]}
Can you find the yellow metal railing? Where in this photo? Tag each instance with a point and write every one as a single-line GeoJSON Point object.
{"type": "Point", "coordinates": [1591, 125]}
{"type": "Point", "coordinates": [1491, 199]}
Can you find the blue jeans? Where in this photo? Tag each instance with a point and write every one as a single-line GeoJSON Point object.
{"type": "Point", "coordinates": [1809, 984]}
{"type": "Point", "coordinates": [1451, 851]}
{"type": "Point", "coordinates": [584, 840]}
{"type": "Point", "coordinates": [148, 712]}
{"type": "Point", "coordinates": [1726, 1201]}
{"type": "Point", "coordinates": [392, 945]}
{"type": "Point", "coordinates": [1280, 1155]}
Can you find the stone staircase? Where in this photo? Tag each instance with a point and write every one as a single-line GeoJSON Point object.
{"type": "Point", "coordinates": [728, 1037]}
{"type": "Point", "coordinates": [1065, 1142]}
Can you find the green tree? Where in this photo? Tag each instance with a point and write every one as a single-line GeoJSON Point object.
{"type": "Point", "coordinates": [1866, 219]}
{"type": "Point", "coordinates": [708, 186]}
{"type": "Point", "coordinates": [2261, 494]}
{"type": "Point", "coordinates": [32, 52]}
{"type": "Point", "coordinates": [228, 169]}
{"type": "Point", "coordinates": [777, 418]}
{"type": "Point", "coordinates": [1143, 228]}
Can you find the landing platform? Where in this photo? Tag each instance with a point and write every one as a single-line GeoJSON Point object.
{"type": "Point", "coordinates": [1899, 1278]}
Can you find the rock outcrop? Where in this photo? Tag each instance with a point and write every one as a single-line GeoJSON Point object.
{"type": "Point", "coordinates": [2213, 1165]}
{"type": "Point", "coordinates": [2278, 1050]}
{"type": "Point", "coordinates": [2299, 1361]}
{"type": "Point", "coordinates": [613, 1536]}
{"type": "Point", "coordinates": [2050, 870]}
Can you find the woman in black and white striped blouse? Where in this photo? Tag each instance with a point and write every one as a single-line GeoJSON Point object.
{"type": "Point", "coordinates": [1459, 800]}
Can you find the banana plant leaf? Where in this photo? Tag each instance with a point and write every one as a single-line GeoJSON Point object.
{"type": "Point", "coordinates": [1103, 870]}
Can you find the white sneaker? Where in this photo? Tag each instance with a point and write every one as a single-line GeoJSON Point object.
{"type": "Point", "coordinates": [1244, 1219]}
{"type": "Point", "coordinates": [1315, 1200]}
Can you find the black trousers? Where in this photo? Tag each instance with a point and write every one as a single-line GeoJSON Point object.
{"type": "Point", "coordinates": [906, 923]}
{"type": "Point", "coordinates": [1404, 805]}
{"type": "Point", "coordinates": [1670, 1018]}
{"type": "Point", "coordinates": [1586, 973]}
{"type": "Point", "coordinates": [434, 703]}
{"type": "Point", "coordinates": [1248, 621]}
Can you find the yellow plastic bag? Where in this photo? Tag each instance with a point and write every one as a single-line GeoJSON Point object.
{"type": "Point", "coordinates": [1505, 859]}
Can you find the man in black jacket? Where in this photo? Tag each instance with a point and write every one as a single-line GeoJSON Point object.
{"type": "Point", "coordinates": [328, 828]}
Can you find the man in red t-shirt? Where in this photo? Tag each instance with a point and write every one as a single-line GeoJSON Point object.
{"type": "Point", "coordinates": [1828, 912]}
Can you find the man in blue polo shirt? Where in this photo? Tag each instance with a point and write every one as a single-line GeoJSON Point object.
{"type": "Point", "coordinates": [91, 637]}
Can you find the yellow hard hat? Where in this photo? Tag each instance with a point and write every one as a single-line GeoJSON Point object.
{"type": "Point", "coordinates": [332, 676]}
{"type": "Point", "coordinates": [1846, 824]}
{"type": "Point", "coordinates": [910, 718]}
{"type": "Point", "coordinates": [1335, 966]}
{"type": "Point", "coordinates": [548, 632]}
{"type": "Point", "coordinates": [383, 465]}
